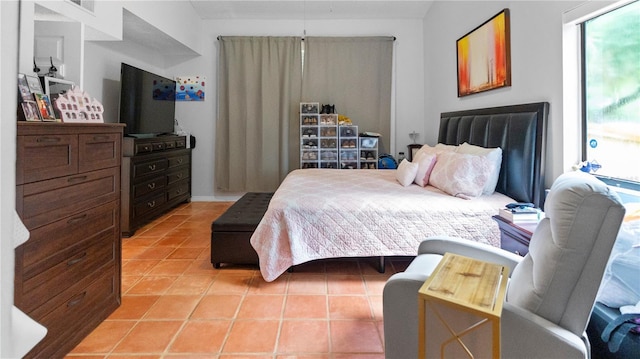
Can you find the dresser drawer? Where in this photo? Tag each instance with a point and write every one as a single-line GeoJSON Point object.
{"type": "Point", "coordinates": [100, 150]}
{"type": "Point", "coordinates": [178, 161]}
{"type": "Point", "coordinates": [46, 156]}
{"type": "Point", "coordinates": [145, 206]}
{"type": "Point", "coordinates": [53, 276]}
{"type": "Point", "coordinates": [74, 305]}
{"type": "Point", "coordinates": [49, 240]}
{"type": "Point", "coordinates": [154, 184]}
{"type": "Point", "coordinates": [145, 168]}
{"type": "Point", "coordinates": [178, 190]}
{"type": "Point", "coordinates": [179, 175]}
{"type": "Point", "coordinates": [48, 201]}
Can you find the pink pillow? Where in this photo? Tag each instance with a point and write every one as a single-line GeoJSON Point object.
{"type": "Point", "coordinates": [406, 172]}
{"type": "Point", "coordinates": [460, 175]}
{"type": "Point", "coordinates": [425, 166]}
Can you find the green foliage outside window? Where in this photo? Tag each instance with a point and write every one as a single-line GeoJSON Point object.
{"type": "Point", "coordinates": [612, 92]}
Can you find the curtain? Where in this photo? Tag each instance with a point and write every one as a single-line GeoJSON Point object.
{"type": "Point", "coordinates": [259, 84]}
{"type": "Point", "coordinates": [354, 74]}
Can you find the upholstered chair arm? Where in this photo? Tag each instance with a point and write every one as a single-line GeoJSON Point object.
{"type": "Point", "coordinates": [484, 252]}
{"type": "Point", "coordinates": [526, 335]}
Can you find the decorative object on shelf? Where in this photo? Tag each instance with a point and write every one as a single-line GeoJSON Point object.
{"type": "Point", "coordinates": [414, 136]}
{"type": "Point", "coordinates": [53, 71]}
{"type": "Point", "coordinates": [77, 106]}
{"type": "Point", "coordinates": [484, 58]}
{"type": "Point", "coordinates": [190, 88]}
{"type": "Point", "coordinates": [587, 166]}
{"type": "Point", "coordinates": [36, 69]}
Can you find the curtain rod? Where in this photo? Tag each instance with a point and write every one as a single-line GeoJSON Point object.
{"type": "Point", "coordinates": [218, 38]}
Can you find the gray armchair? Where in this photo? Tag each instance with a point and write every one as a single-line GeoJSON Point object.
{"type": "Point", "coordinates": [551, 290]}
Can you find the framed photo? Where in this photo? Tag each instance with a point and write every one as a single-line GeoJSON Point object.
{"type": "Point", "coordinates": [484, 56]}
{"type": "Point", "coordinates": [34, 84]}
{"type": "Point", "coordinates": [23, 88]}
{"type": "Point", "coordinates": [54, 87]}
{"type": "Point", "coordinates": [30, 110]}
{"type": "Point", "coordinates": [44, 107]}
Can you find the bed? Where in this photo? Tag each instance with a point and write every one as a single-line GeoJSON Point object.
{"type": "Point", "coordinates": [326, 213]}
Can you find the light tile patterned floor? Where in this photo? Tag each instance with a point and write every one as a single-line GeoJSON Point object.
{"type": "Point", "coordinates": [176, 305]}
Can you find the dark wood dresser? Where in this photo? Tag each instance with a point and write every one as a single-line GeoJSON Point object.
{"type": "Point", "coordinates": [156, 176]}
{"type": "Point", "coordinates": [67, 275]}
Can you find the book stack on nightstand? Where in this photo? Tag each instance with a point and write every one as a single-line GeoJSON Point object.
{"type": "Point", "coordinates": [517, 224]}
{"type": "Point", "coordinates": [521, 214]}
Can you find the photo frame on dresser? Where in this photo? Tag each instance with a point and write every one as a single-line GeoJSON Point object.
{"type": "Point", "coordinates": [34, 84]}
{"type": "Point", "coordinates": [27, 106]}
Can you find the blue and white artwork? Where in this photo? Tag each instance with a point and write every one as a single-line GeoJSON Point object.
{"type": "Point", "coordinates": [190, 88]}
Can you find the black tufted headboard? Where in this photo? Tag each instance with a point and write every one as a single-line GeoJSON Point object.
{"type": "Point", "coordinates": [520, 130]}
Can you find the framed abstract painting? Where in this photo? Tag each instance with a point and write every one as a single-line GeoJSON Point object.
{"type": "Point", "coordinates": [484, 56]}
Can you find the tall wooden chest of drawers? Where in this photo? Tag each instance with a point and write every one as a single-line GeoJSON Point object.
{"type": "Point", "coordinates": [156, 176]}
{"type": "Point", "coordinates": [67, 275]}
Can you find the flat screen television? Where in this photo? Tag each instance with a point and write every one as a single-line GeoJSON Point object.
{"type": "Point", "coordinates": [147, 102]}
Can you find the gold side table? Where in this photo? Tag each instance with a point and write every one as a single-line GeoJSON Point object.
{"type": "Point", "coordinates": [460, 307]}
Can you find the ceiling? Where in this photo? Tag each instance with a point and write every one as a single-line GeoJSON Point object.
{"type": "Point", "coordinates": [315, 9]}
{"type": "Point", "coordinates": [137, 32]}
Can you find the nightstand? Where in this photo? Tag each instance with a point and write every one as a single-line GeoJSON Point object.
{"type": "Point", "coordinates": [515, 237]}
{"type": "Point", "coordinates": [412, 149]}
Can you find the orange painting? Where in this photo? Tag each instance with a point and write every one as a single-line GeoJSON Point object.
{"type": "Point", "coordinates": [484, 59]}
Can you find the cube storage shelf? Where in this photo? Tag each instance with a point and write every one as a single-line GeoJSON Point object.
{"type": "Point", "coordinates": [368, 152]}
{"type": "Point", "coordinates": [326, 144]}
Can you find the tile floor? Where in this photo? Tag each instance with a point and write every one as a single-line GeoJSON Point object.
{"type": "Point", "coordinates": [176, 305]}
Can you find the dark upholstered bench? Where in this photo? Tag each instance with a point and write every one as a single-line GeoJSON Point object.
{"type": "Point", "coordinates": [231, 232]}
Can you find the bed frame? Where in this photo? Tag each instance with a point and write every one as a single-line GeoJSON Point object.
{"type": "Point", "coordinates": [520, 130]}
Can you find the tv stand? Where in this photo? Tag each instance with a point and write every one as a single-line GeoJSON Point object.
{"type": "Point", "coordinates": [156, 176]}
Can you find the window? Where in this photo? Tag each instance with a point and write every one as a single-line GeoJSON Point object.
{"type": "Point", "coordinates": [611, 95]}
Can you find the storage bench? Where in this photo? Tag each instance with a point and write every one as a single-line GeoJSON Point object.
{"type": "Point", "coordinates": [231, 232]}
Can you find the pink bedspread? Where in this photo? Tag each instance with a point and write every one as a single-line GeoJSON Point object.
{"type": "Point", "coordinates": [328, 213]}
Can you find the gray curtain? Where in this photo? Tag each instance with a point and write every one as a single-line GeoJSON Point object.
{"type": "Point", "coordinates": [259, 84]}
{"type": "Point", "coordinates": [354, 74]}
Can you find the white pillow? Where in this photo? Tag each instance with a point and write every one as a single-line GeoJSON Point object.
{"type": "Point", "coordinates": [406, 172]}
{"type": "Point", "coordinates": [460, 175]}
{"type": "Point", "coordinates": [441, 147]}
{"type": "Point", "coordinates": [425, 166]}
{"type": "Point", "coordinates": [494, 155]}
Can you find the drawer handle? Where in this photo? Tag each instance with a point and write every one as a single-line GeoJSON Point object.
{"type": "Point", "coordinates": [179, 175]}
{"type": "Point", "coordinates": [77, 219]}
{"type": "Point", "coordinates": [151, 185]}
{"type": "Point", "coordinates": [151, 204]}
{"type": "Point", "coordinates": [48, 139]}
{"type": "Point", "coordinates": [77, 179]}
{"type": "Point", "coordinates": [152, 167]}
{"type": "Point", "coordinates": [76, 300]}
{"type": "Point", "coordinates": [180, 161]}
{"type": "Point", "coordinates": [82, 257]}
